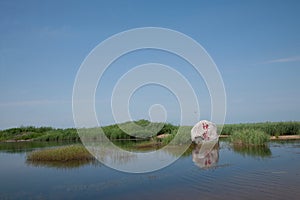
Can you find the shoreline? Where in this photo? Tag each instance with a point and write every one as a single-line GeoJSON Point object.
{"type": "Point", "coordinates": [272, 138]}
{"type": "Point", "coordinates": [285, 137]}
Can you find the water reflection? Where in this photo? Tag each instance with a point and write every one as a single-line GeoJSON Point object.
{"type": "Point", "coordinates": [206, 155]}
{"type": "Point", "coordinates": [20, 147]}
{"type": "Point", "coordinates": [115, 158]}
{"type": "Point", "coordinates": [134, 161]}
{"type": "Point", "coordinates": [253, 151]}
{"type": "Point", "coordinates": [106, 154]}
{"type": "Point", "coordinates": [276, 178]}
{"type": "Point", "coordinates": [63, 165]}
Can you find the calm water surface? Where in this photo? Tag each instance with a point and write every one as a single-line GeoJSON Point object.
{"type": "Point", "coordinates": [225, 173]}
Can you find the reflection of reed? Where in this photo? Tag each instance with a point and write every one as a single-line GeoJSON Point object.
{"type": "Point", "coordinates": [206, 155]}
{"type": "Point", "coordinates": [19, 147]}
{"type": "Point", "coordinates": [253, 151]}
{"type": "Point", "coordinates": [176, 150]}
{"type": "Point", "coordinates": [63, 165]}
{"type": "Point", "coordinates": [109, 154]}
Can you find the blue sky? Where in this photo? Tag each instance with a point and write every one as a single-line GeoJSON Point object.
{"type": "Point", "coordinates": [255, 44]}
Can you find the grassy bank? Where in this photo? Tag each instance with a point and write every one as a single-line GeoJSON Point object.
{"type": "Point", "coordinates": [62, 154]}
{"type": "Point", "coordinates": [39, 134]}
{"type": "Point", "coordinates": [114, 132]}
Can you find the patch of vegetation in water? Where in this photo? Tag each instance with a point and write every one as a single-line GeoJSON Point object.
{"type": "Point", "coordinates": [61, 154]}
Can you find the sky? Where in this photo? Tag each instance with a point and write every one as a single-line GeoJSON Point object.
{"type": "Point", "coordinates": [255, 45]}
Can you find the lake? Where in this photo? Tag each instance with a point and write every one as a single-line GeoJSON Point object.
{"type": "Point", "coordinates": [227, 172]}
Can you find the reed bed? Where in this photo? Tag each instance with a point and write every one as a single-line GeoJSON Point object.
{"type": "Point", "coordinates": [252, 137]}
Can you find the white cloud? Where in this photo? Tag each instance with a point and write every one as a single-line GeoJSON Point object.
{"type": "Point", "coordinates": [284, 60]}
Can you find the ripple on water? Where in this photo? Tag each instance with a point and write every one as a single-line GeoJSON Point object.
{"type": "Point", "coordinates": [261, 179]}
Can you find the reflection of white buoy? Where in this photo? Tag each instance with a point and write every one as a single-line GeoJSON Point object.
{"type": "Point", "coordinates": [206, 155]}
{"type": "Point", "coordinates": [204, 131]}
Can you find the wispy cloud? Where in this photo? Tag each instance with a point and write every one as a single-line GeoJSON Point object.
{"type": "Point", "coordinates": [45, 102]}
{"type": "Point", "coordinates": [284, 60]}
{"type": "Point", "coordinates": [49, 31]}
{"type": "Point", "coordinates": [33, 103]}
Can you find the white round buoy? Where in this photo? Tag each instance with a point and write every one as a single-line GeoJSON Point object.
{"type": "Point", "coordinates": [204, 131]}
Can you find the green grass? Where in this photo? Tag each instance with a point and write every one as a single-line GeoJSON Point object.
{"type": "Point", "coordinates": [61, 154]}
{"type": "Point", "coordinates": [249, 137]}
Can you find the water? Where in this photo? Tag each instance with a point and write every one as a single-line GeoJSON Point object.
{"type": "Point", "coordinates": [225, 173]}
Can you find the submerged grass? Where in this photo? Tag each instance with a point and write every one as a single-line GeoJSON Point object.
{"type": "Point", "coordinates": [62, 154]}
{"type": "Point", "coordinates": [250, 137]}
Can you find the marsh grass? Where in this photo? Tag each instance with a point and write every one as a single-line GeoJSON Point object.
{"type": "Point", "coordinates": [179, 136]}
{"type": "Point", "coordinates": [250, 137]}
{"type": "Point", "coordinates": [271, 128]}
{"type": "Point", "coordinates": [61, 154]}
